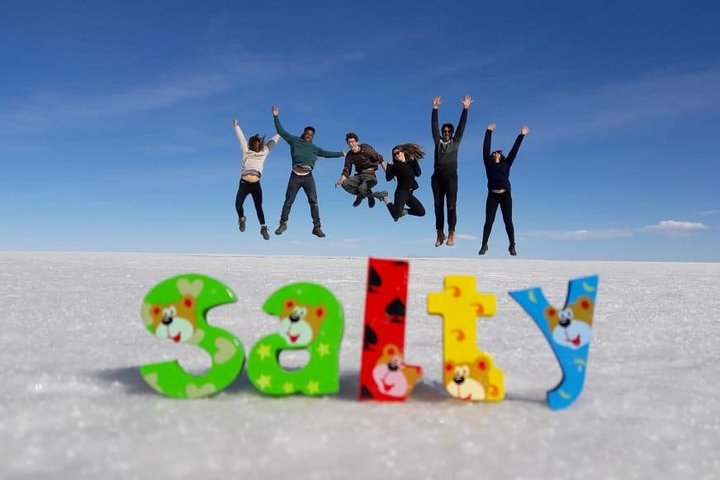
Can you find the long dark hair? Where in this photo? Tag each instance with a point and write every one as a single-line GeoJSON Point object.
{"type": "Point", "coordinates": [256, 141]}
{"type": "Point", "coordinates": [413, 151]}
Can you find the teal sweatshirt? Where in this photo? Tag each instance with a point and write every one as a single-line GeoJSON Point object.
{"type": "Point", "coordinates": [302, 151]}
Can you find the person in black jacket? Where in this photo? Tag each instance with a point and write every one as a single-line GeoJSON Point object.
{"type": "Point", "coordinates": [497, 169]}
{"type": "Point", "coordinates": [405, 168]}
{"type": "Point", "coordinates": [444, 180]}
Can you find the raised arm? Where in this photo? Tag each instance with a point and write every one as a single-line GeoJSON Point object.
{"type": "Point", "coordinates": [516, 146]}
{"type": "Point", "coordinates": [273, 141]}
{"type": "Point", "coordinates": [240, 136]}
{"type": "Point", "coordinates": [463, 117]}
{"type": "Point", "coordinates": [434, 119]}
{"type": "Point", "coordinates": [488, 142]}
{"type": "Point", "coordinates": [279, 128]}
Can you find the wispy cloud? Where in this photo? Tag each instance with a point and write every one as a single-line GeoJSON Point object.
{"type": "Point", "coordinates": [584, 234]}
{"type": "Point", "coordinates": [710, 212]}
{"type": "Point", "coordinates": [220, 74]}
{"type": "Point", "coordinates": [674, 227]}
{"type": "Point", "coordinates": [665, 227]}
{"type": "Point", "coordinates": [654, 96]}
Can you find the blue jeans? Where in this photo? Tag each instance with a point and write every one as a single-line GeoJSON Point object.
{"type": "Point", "coordinates": [307, 183]}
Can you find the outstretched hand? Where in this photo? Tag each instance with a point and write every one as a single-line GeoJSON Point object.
{"type": "Point", "coordinates": [275, 111]}
{"type": "Point", "coordinates": [436, 101]}
{"type": "Point", "coordinates": [235, 122]}
{"type": "Point", "coordinates": [466, 101]}
{"type": "Point", "coordinates": [340, 181]}
{"type": "Point", "coordinates": [491, 127]}
{"type": "Point", "coordinates": [524, 130]}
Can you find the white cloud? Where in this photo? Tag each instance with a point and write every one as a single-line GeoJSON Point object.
{"type": "Point", "coordinates": [465, 236]}
{"type": "Point", "coordinates": [674, 227]}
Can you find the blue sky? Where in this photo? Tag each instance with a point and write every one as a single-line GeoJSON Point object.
{"type": "Point", "coordinates": [115, 123]}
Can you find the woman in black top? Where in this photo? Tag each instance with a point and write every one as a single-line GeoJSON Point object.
{"type": "Point", "coordinates": [497, 169]}
{"type": "Point", "coordinates": [405, 168]}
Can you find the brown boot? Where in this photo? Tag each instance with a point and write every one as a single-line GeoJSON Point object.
{"type": "Point", "coordinates": [440, 238]}
{"type": "Point", "coordinates": [451, 239]}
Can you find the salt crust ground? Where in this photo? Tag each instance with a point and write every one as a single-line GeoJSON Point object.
{"type": "Point", "coordinates": [72, 404]}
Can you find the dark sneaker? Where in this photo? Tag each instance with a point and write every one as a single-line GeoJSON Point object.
{"type": "Point", "coordinates": [281, 228]}
{"type": "Point", "coordinates": [451, 239]}
{"type": "Point", "coordinates": [317, 231]}
{"type": "Point", "coordinates": [512, 251]}
{"type": "Point", "coordinates": [371, 201]}
{"type": "Point", "coordinates": [241, 224]}
{"type": "Point", "coordinates": [358, 201]}
{"type": "Point", "coordinates": [391, 209]}
{"type": "Point", "coordinates": [483, 249]}
{"type": "Point", "coordinates": [264, 232]}
{"type": "Point", "coordinates": [440, 238]}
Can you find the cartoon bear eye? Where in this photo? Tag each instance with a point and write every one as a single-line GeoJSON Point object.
{"type": "Point", "coordinates": [169, 312]}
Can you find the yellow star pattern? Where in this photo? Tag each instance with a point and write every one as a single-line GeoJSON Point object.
{"type": "Point", "coordinates": [313, 387]}
{"type": "Point", "coordinates": [288, 387]}
{"type": "Point", "coordinates": [264, 381]}
{"type": "Point", "coordinates": [263, 351]}
{"type": "Point", "coordinates": [323, 349]}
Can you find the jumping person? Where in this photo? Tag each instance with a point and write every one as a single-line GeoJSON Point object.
{"type": "Point", "coordinates": [405, 168]}
{"type": "Point", "coordinates": [304, 154]}
{"type": "Point", "coordinates": [366, 161]}
{"type": "Point", "coordinates": [497, 169]}
{"type": "Point", "coordinates": [444, 180]}
{"type": "Point", "coordinates": [254, 154]}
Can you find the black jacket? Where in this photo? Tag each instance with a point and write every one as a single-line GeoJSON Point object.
{"type": "Point", "coordinates": [498, 174]}
{"type": "Point", "coordinates": [405, 172]}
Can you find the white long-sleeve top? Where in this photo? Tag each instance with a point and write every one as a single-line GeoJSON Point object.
{"type": "Point", "coordinates": [253, 161]}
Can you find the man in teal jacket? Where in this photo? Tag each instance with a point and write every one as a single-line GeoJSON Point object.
{"type": "Point", "coordinates": [304, 154]}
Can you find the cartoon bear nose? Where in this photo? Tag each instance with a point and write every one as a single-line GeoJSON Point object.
{"type": "Point", "coordinates": [564, 322]}
{"type": "Point", "coordinates": [458, 380]}
{"type": "Point", "coordinates": [392, 366]}
{"type": "Point", "coordinates": [167, 320]}
{"type": "Point", "coordinates": [294, 317]}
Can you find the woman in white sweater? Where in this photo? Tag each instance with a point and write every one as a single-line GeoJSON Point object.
{"type": "Point", "coordinates": [254, 152]}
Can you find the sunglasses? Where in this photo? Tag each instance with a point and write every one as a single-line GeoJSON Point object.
{"type": "Point", "coordinates": [396, 152]}
{"type": "Point", "coordinates": [447, 131]}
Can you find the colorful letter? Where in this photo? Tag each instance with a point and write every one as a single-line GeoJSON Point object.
{"type": "Point", "coordinates": [174, 310]}
{"type": "Point", "coordinates": [569, 332]}
{"type": "Point", "coordinates": [469, 373]}
{"type": "Point", "coordinates": [384, 375]}
{"type": "Point", "coordinates": [310, 318]}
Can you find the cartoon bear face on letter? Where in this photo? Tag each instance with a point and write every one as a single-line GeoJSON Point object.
{"type": "Point", "coordinates": [300, 324]}
{"type": "Point", "coordinates": [175, 322]}
{"type": "Point", "coordinates": [470, 380]}
{"type": "Point", "coordinates": [391, 375]}
{"type": "Point", "coordinates": [571, 327]}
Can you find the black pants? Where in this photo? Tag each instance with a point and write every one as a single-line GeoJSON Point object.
{"type": "Point", "coordinates": [445, 185]}
{"type": "Point", "coordinates": [505, 202]}
{"type": "Point", "coordinates": [295, 183]}
{"type": "Point", "coordinates": [245, 189]}
{"type": "Point", "coordinates": [405, 197]}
